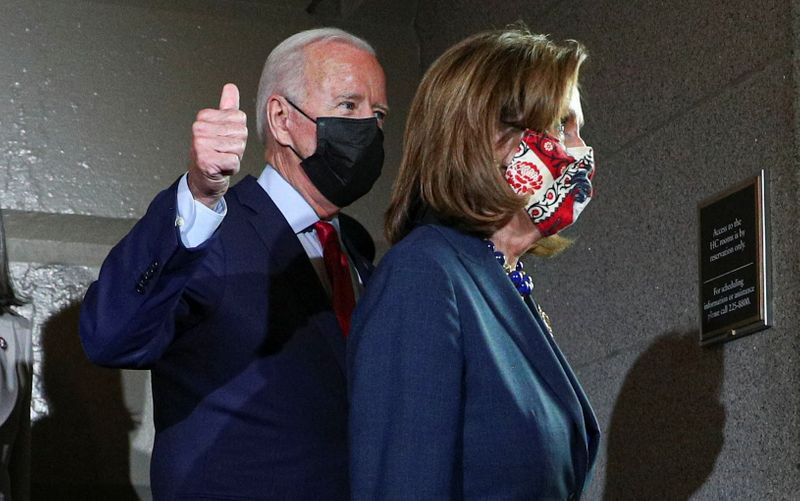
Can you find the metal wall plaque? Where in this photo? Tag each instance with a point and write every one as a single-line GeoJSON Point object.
{"type": "Point", "coordinates": [734, 262]}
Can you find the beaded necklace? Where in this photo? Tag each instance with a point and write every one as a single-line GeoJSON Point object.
{"type": "Point", "coordinates": [521, 280]}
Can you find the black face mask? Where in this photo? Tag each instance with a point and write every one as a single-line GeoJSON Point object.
{"type": "Point", "coordinates": [348, 159]}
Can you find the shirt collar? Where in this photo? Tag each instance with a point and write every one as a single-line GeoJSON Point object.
{"type": "Point", "coordinates": [297, 212]}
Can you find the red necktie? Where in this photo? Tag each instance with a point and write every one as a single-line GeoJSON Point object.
{"type": "Point", "coordinates": [338, 272]}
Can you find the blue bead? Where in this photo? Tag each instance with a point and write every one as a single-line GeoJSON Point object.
{"type": "Point", "coordinates": [517, 278]}
{"type": "Point", "coordinates": [490, 245]}
{"type": "Point", "coordinates": [500, 257]}
{"type": "Point", "coordinates": [525, 288]}
{"type": "Point", "coordinates": [529, 281]}
{"type": "Point", "coordinates": [520, 266]}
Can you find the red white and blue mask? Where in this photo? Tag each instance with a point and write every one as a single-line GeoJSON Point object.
{"type": "Point", "coordinates": [556, 180]}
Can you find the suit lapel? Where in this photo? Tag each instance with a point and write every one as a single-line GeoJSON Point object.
{"type": "Point", "coordinates": [363, 266]}
{"type": "Point", "coordinates": [507, 305]}
{"type": "Point", "coordinates": [359, 246]}
{"type": "Point", "coordinates": [527, 334]}
{"type": "Point", "coordinates": [591, 425]}
{"type": "Point", "coordinates": [287, 259]}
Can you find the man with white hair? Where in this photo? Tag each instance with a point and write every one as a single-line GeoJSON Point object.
{"type": "Point", "coordinates": [238, 300]}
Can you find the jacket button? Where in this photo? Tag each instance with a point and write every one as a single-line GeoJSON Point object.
{"type": "Point", "coordinates": [3, 344]}
{"type": "Point", "coordinates": [140, 288]}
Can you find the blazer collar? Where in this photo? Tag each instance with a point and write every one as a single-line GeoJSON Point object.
{"type": "Point", "coordinates": [521, 324]}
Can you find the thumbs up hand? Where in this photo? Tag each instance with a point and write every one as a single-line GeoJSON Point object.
{"type": "Point", "coordinates": [219, 137]}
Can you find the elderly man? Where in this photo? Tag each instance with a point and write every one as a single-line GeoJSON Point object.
{"type": "Point", "coordinates": [239, 300]}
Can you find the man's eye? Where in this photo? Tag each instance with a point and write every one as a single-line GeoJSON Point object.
{"type": "Point", "coordinates": [348, 105]}
{"type": "Point", "coordinates": [381, 116]}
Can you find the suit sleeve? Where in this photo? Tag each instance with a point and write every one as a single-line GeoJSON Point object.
{"type": "Point", "coordinates": [129, 315]}
{"type": "Point", "coordinates": [405, 371]}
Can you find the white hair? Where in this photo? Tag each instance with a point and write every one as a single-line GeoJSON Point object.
{"type": "Point", "coordinates": [284, 70]}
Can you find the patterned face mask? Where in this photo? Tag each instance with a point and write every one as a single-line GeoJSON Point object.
{"type": "Point", "coordinates": [557, 181]}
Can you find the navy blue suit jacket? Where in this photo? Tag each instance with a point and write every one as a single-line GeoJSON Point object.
{"type": "Point", "coordinates": [457, 390]}
{"type": "Point", "coordinates": [246, 355]}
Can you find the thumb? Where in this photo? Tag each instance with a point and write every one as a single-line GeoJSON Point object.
{"type": "Point", "coordinates": [230, 97]}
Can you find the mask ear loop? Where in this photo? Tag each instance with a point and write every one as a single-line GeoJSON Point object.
{"type": "Point", "coordinates": [298, 109]}
{"type": "Point", "coordinates": [305, 115]}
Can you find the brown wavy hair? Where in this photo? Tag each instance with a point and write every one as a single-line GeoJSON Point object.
{"type": "Point", "coordinates": [482, 90]}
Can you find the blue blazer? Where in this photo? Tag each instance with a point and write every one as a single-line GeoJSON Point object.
{"type": "Point", "coordinates": [246, 355]}
{"type": "Point", "coordinates": [457, 390]}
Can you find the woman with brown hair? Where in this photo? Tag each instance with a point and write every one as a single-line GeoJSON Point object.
{"type": "Point", "coordinates": [16, 359]}
{"type": "Point", "coordinates": [457, 388]}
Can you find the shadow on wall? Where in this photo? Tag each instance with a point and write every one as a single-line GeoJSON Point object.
{"type": "Point", "coordinates": [80, 450]}
{"type": "Point", "coordinates": [667, 426]}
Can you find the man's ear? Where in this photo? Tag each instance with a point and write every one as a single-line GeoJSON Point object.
{"type": "Point", "coordinates": [277, 119]}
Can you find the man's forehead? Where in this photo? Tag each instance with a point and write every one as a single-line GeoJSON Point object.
{"type": "Point", "coordinates": [336, 67]}
{"type": "Point", "coordinates": [331, 53]}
